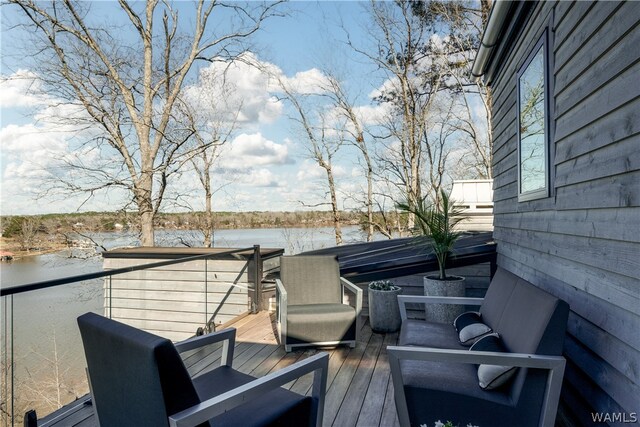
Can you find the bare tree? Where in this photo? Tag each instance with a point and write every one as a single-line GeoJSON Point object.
{"type": "Point", "coordinates": [460, 24]}
{"type": "Point", "coordinates": [125, 87]}
{"type": "Point", "coordinates": [206, 115]}
{"type": "Point", "coordinates": [442, 141]}
{"type": "Point", "coordinates": [28, 231]}
{"type": "Point", "coordinates": [412, 79]}
{"type": "Point", "coordinates": [322, 144]}
{"type": "Point", "coordinates": [355, 130]}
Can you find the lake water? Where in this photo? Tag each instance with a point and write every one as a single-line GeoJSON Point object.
{"type": "Point", "coordinates": [47, 347]}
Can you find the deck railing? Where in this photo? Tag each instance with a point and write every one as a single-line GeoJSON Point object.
{"type": "Point", "coordinates": [42, 361]}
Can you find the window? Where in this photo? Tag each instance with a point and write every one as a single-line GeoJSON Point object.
{"type": "Point", "coordinates": [533, 134]}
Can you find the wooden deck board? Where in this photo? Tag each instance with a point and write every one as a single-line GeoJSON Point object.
{"type": "Point", "coordinates": [337, 389]}
{"type": "Point", "coordinates": [374, 400]}
{"type": "Point", "coordinates": [354, 398]}
{"type": "Point", "coordinates": [359, 390]}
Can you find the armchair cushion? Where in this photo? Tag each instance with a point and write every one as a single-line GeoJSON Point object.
{"type": "Point", "coordinates": [428, 334]}
{"type": "Point", "coordinates": [314, 323]}
{"type": "Point", "coordinates": [491, 377]}
{"type": "Point", "coordinates": [278, 407]}
{"type": "Point", "coordinates": [311, 279]}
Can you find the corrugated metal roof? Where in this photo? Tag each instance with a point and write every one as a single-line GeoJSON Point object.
{"type": "Point", "coordinates": [383, 259]}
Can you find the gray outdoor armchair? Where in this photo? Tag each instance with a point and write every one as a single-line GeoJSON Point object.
{"type": "Point", "coordinates": [139, 379]}
{"type": "Point", "coordinates": [311, 303]}
{"type": "Point", "coordinates": [435, 377]}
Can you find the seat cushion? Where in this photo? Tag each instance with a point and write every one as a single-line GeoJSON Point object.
{"type": "Point", "coordinates": [429, 334]}
{"type": "Point", "coordinates": [278, 407]}
{"type": "Point", "coordinates": [315, 323]}
{"type": "Point", "coordinates": [449, 391]}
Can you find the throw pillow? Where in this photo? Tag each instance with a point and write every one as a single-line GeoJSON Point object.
{"type": "Point", "coordinates": [466, 319]}
{"type": "Point", "coordinates": [470, 327]}
{"type": "Point", "coordinates": [491, 377]}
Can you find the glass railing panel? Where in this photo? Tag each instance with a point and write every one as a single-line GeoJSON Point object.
{"type": "Point", "coordinates": [42, 358]}
{"type": "Point", "coordinates": [43, 365]}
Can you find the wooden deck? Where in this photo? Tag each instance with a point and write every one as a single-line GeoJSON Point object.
{"type": "Point", "coordinates": [359, 389]}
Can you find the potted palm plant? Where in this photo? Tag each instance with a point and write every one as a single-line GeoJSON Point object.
{"type": "Point", "coordinates": [437, 224]}
{"type": "Point", "coordinates": [384, 312]}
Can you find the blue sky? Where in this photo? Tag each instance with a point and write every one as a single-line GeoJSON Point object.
{"type": "Point", "coordinates": [267, 153]}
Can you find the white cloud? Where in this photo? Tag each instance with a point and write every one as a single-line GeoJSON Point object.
{"type": "Point", "coordinates": [27, 150]}
{"type": "Point", "coordinates": [260, 178]}
{"type": "Point", "coordinates": [236, 90]}
{"type": "Point", "coordinates": [373, 114]}
{"type": "Point", "coordinates": [251, 150]}
{"type": "Point", "coordinates": [309, 171]}
{"type": "Point", "coordinates": [21, 89]}
{"type": "Point", "coordinates": [309, 82]}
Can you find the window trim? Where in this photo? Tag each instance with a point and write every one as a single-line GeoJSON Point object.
{"type": "Point", "coordinates": [545, 192]}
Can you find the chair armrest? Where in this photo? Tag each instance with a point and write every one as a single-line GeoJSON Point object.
{"type": "Point", "coordinates": [356, 290]}
{"type": "Point", "coordinates": [227, 336]}
{"type": "Point", "coordinates": [523, 360]}
{"type": "Point", "coordinates": [554, 364]}
{"type": "Point", "coordinates": [217, 405]}
{"type": "Point", "coordinates": [423, 299]}
{"type": "Point", "coordinates": [281, 310]}
{"type": "Point", "coordinates": [281, 291]}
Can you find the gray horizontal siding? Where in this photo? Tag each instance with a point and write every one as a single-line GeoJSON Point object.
{"type": "Point", "coordinates": [583, 243]}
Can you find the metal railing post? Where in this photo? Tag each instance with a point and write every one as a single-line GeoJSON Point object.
{"type": "Point", "coordinates": [257, 265]}
{"type": "Point", "coordinates": [110, 298]}
{"type": "Point", "coordinates": [12, 365]}
{"type": "Point", "coordinates": [206, 290]}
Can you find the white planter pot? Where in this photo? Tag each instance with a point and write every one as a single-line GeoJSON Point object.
{"type": "Point", "coordinates": [384, 313]}
{"type": "Point", "coordinates": [454, 286]}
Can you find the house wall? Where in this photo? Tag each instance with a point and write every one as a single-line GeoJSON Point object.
{"type": "Point", "coordinates": [582, 243]}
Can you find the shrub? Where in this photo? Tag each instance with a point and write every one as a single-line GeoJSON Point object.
{"type": "Point", "coordinates": [383, 285]}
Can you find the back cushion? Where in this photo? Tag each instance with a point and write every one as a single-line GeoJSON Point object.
{"type": "Point", "coordinates": [311, 279]}
{"type": "Point", "coordinates": [526, 317]}
{"type": "Point", "coordinates": [497, 295]}
{"type": "Point", "coordinates": [137, 378]}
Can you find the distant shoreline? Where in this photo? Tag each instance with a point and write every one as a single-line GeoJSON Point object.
{"type": "Point", "coordinates": [58, 232]}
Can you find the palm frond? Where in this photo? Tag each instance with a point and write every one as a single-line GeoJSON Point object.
{"type": "Point", "coordinates": [438, 223]}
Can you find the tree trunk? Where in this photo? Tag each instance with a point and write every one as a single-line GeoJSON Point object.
{"type": "Point", "coordinates": [208, 221]}
{"type": "Point", "coordinates": [146, 228]}
{"type": "Point", "coordinates": [370, 228]}
{"type": "Point", "coordinates": [144, 201]}
{"type": "Point", "coordinates": [334, 207]}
